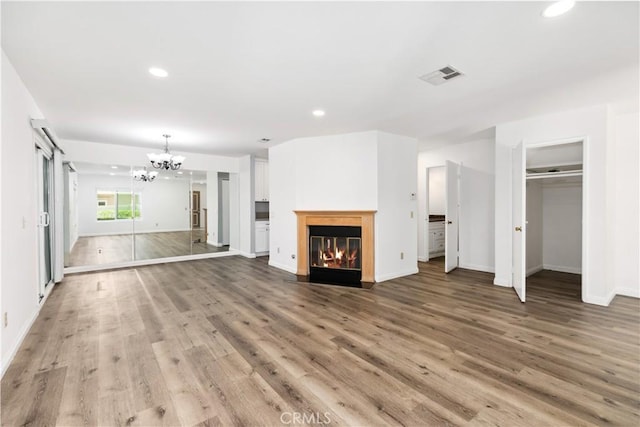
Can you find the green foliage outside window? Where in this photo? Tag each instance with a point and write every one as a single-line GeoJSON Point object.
{"type": "Point", "coordinates": [115, 205]}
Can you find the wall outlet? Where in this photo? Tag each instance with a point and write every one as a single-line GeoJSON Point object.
{"type": "Point", "coordinates": [99, 250]}
{"type": "Point", "coordinates": [5, 319]}
{"type": "Point", "coordinates": [401, 255]}
{"type": "Point", "coordinates": [293, 256]}
{"type": "Point", "coordinates": [278, 250]}
{"type": "Point", "coordinates": [411, 214]}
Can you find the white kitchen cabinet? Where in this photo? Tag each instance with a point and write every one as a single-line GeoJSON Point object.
{"type": "Point", "coordinates": [262, 238]}
{"type": "Point", "coordinates": [436, 239]}
{"type": "Point", "coordinates": [261, 180]}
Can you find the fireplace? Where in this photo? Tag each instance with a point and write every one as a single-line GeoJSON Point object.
{"type": "Point", "coordinates": [335, 254]}
{"type": "Point", "coordinates": [336, 247]}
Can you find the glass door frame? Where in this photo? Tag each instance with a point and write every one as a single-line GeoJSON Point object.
{"type": "Point", "coordinates": [45, 218]}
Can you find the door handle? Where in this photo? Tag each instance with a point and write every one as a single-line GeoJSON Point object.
{"type": "Point", "coordinates": [518, 228]}
{"type": "Point", "coordinates": [44, 219]}
{"type": "Point", "coordinates": [449, 222]}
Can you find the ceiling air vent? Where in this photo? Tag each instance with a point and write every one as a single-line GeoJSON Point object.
{"type": "Point", "coordinates": [442, 75]}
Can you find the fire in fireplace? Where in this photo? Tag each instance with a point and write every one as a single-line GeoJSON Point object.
{"type": "Point", "coordinates": [335, 255]}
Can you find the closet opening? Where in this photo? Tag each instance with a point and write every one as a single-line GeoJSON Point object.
{"type": "Point", "coordinates": [551, 238]}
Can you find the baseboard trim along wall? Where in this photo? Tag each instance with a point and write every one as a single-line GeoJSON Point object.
{"type": "Point", "coordinates": [603, 301]}
{"type": "Point", "coordinates": [534, 270]}
{"type": "Point", "coordinates": [562, 268]}
{"type": "Point", "coordinates": [286, 268]}
{"type": "Point", "coordinates": [502, 281]}
{"type": "Point", "coordinates": [119, 233]}
{"type": "Point", "coordinates": [629, 292]}
{"type": "Point", "coordinates": [23, 332]}
{"type": "Point", "coordinates": [477, 267]}
{"type": "Point", "coordinates": [391, 276]}
{"type": "Point", "coordinates": [141, 262]}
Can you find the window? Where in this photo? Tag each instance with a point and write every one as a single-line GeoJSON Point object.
{"type": "Point", "coordinates": [118, 205]}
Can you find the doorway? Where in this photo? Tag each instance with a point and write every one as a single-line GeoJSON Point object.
{"type": "Point", "coordinates": [195, 209]}
{"type": "Point", "coordinates": [442, 239]}
{"type": "Point", "coordinates": [548, 215]}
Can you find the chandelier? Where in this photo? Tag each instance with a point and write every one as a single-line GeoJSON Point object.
{"type": "Point", "coordinates": [165, 160]}
{"type": "Point", "coordinates": [144, 176]}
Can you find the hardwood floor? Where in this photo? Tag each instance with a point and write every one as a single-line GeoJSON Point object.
{"type": "Point", "coordinates": [231, 341]}
{"type": "Point", "coordinates": [98, 250]}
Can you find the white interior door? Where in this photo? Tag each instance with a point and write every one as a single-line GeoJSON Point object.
{"type": "Point", "coordinates": [518, 221]}
{"type": "Point", "coordinates": [451, 216]}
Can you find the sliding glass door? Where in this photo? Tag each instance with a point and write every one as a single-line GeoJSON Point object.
{"type": "Point", "coordinates": [44, 180]}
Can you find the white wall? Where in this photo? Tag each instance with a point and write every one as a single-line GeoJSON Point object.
{"type": "Point", "coordinates": [598, 286]}
{"type": "Point", "coordinates": [282, 203]}
{"type": "Point", "coordinates": [437, 190]}
{"type": "Point", "coordinates": [344, 172]}
{"type": "Point", "coordinates": [19, 292]}
{"type": "Point", "coordinates": [246, 183]}
{"type": "Point", "coordinates": [337, 170]}
{"type": "Point", "coordinates": [476, 233]}
{"type": "Point", "coordinates": [396, 222]}
{"type": "Point", "coordinates": [534, 227]}
{"type": "Point", "coordinates": [165, 205]}
{"type": "Point", "coordinates": [626, 222]}
{"type": "Point", "coordinates": [562, 227]}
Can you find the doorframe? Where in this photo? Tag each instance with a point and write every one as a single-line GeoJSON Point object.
{"type": "Point", "coordinates": [585, 199]}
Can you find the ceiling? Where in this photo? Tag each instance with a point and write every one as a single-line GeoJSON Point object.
{"type": "Point", "coordinates": [242, 71]}
{"type": "Point", "coordinates": [85, 168]}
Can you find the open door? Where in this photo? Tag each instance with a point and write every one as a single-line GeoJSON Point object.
{"type": "Point", "coordinates": [518, 220]}
{"type": "Point", "coordinates": [451, 217]}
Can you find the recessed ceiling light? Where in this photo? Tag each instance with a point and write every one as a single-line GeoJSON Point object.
{"type": "Point", "coordinates": [111, 173]}
{"type": "Point", "coordinates": [114, 167]}
{"type": "Point", "coordinates": [558, 8]}
{"type": "Point", "coordinates": [264, 140]}
{"type": "Point", "coordinates": [318, 113]}
{"type": "Point", "coordinates": [158, 72]}
{"type": "Point", "coordinates": [180, 173]}
{"type": "Point", "coordinates": [166, 177]}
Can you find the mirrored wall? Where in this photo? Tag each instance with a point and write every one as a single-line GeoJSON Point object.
{"type": "Point", "coordinates": [113, 217]}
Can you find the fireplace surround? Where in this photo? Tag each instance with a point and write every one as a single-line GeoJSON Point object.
{"type": "Point", "coordinates": [337, 226]}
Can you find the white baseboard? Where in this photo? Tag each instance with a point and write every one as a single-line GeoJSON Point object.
{"type": "Point", "coordinates": [502, 281]}
{"type": "Point", "coordinates": [266, 253]}
{"type": "Point", "coordinates": [284, 267]}
{"type": "Point", "coordinates": [247, 254]}
{"type": "Point", "coordinates": [628, 292]}
{"type": "Point", "coordinates": [534, 270]}
{"type": "Point", "coordinates": [477, 267]}
{"type": "Point", "coordinates": [603, 301]}
{"type": "Point", "coordinates": [423, 258]}
{"type": "Point", "coordinates": [395, 275]}
{"type": "Point", "coordinates": [121, 233]}
{"type": "Point", "coordinates": [562, 268]}
{"type": "Point", "coordinates": [141, 262]}
{"type": "Point", "coordinates": [21, 336]}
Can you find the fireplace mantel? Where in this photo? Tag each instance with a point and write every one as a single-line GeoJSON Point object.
{"type": "Point", "coordinates": [362, 219]}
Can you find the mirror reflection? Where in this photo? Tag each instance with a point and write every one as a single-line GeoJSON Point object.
{"type": "Point", "coordinates": [116, 217]}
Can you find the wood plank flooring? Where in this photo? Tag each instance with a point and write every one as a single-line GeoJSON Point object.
{"type": "Point", "coordinates": [98, 250]}
{"type": "Point", "coordinates": [232, 341]}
